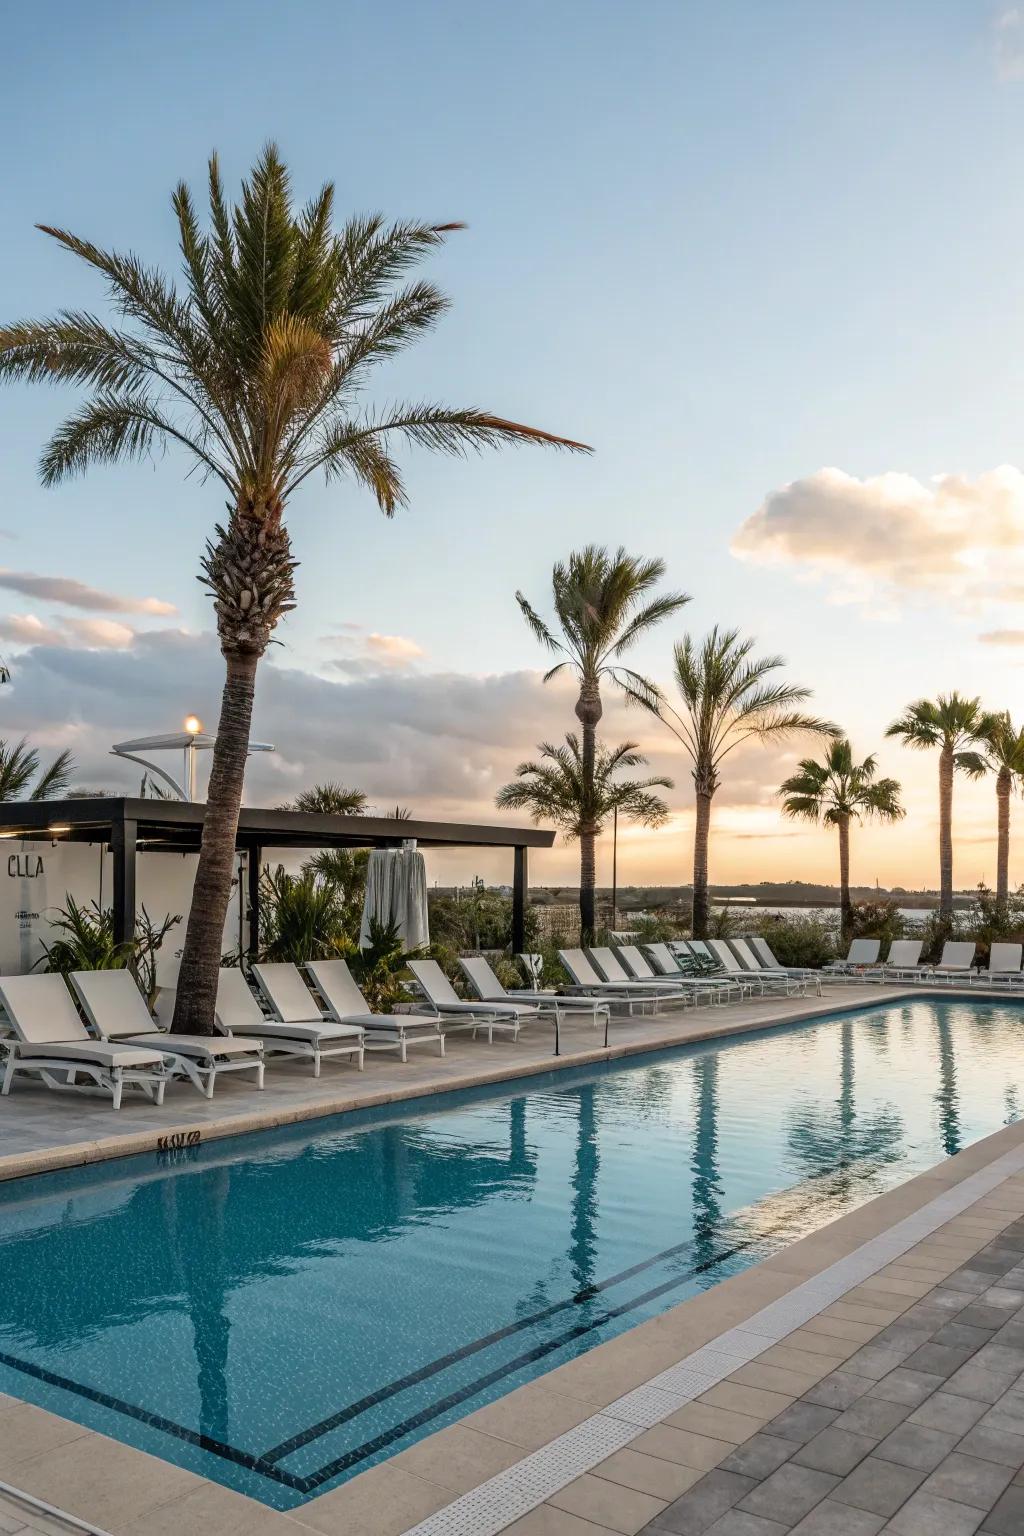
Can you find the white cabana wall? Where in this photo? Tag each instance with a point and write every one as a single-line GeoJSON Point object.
{"type": "Point", "coordinates": [36, 878]}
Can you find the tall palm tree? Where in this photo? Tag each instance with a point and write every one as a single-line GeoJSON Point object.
{"type": "Point", "coordinates": [836, 791]}
{"type": "Point", "coordinates": [602, 608]}
{"type": "Point", "coordinates": [19, 765]}
{"type": "Point", "coordinates": [729, 698]}
{"type": "Point", "coordinates": [257, 368]}
{"type": "Point", "coordinates": [1004, 751]}
{"type": "Point", "coordinates": [559, 789]}
{"type": "Point", "coordinates": [955, 726]}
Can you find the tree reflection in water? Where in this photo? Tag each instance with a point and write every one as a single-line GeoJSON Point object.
{"type": "Point", "coordinates": [833, 1142]}
{"type": "Point", "coordinates": [708, 1193]}
{"type": "Point", "coordinates": [583, 1229]}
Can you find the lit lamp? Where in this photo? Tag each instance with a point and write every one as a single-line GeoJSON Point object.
{"type": "Point", "coordinates": [191, 740]}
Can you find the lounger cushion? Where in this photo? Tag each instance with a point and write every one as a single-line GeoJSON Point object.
{"type": "Point", "coordinates": [98, 1053]}
{"type": "Point", "coordinates": [202, 1046]}
{"type": "Point", "coordinates": [271, 1030]}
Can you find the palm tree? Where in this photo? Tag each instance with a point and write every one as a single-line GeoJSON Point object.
{"type": "Point", "coordinates": [559, 789]}
{"type": "Point", "coordinates": [955, 726]}
{"type": "Point", "coordinates": [1004, 751]}
{"type": "Point", "coordinates": [728, 699]}
{"type": "Point", "coordinates": [330, 800]}
{"type": "Point", "coordinates": [19, 765]}
{"type": "Point", "coordinates": [257, 368]}
{"type": "Point", "coordinates": [836, 791]}
{"type": "Point", "coordinates": [599, 601]}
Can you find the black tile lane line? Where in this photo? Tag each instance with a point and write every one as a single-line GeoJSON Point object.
{"type": "Point", "coordinates": [157, 1421]}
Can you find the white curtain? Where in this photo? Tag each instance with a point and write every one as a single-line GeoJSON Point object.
{"type": "Point", "coordinates": [396, 892]}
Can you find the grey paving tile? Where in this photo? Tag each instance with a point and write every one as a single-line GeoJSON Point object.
{"type": "Point", "coordinates": [832, 1519]}
{"type": "Point", "coordinates": [969, 1480]}
{"type": "Point", "coordinates": [941, 1359]}
{"type": "Point", "coordinates": [974, 1281]}
{"type": "Point", "coordinates": [877, 1360]}
{"type": "Point", "coordinates": [760, 1455]}
{"type": "Point", "coordinates": [904, 1386]}
{"type": "Point", "coordinates": [994, 1445]}
{"type": "Point", "coordinates": [874, 1417]}
{"type": "Point", "coordinates": [944, 1410]}
{"type": "Point", "coordinates": [927, 1515]}
{"type": "Point", "coordinates": [1010, 1333]}
{"type": "Point", "coordinates": [834, 1450]}
{"type": "Point", "coordinates": [703, 1504]}
{"type": "Point", "coordinates": [980, 1315]}
{"type": "Point", "coordinates": [838, 1390]}
{"type": "Point", "coordinates": [1007, 1518]}
{"type": "Point", "coordinates": [958, 1333]}
{"type": "Point", "coordinates": [790, 1493]}
{"type": "Point", "coordinates": [880, 1486]}
{"type": "Point", "coordinates": [914, 1445]}
{"type": "Point", "coordinates": [988, 1375]}
{"type": "Point", "coordinates": [801, 1421]}
{"type": "Point", "coordinates": [735, 1523]}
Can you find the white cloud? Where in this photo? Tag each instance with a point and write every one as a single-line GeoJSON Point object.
{"type": "Point", "coordinates": [364, 653]}
{"type": "Point", "coordinates": [1008, 36]}
{"type": "Point", "coordinates": [75, 594]}
{"type": "Point", "coordinates": [93, 634]}
{"type": "Point", "coordinates": [1002, 637]}
{"type": "Point", "coordinates": [889, 534]}
{"type": "Point", "coordinates": [26, 629]}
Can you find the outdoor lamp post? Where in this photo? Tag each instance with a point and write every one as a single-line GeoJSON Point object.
{"type": "Point", "coordinates": [191, 740]}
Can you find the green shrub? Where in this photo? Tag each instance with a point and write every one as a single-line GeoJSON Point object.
{"type": "Point", "coordinates": [303, 917]}
{"type": "Point", "coordinates": [799, 939]}
{"type": "Point", "coordinates": [878, 920]}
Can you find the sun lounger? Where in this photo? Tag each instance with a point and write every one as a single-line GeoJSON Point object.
{"type": "Point", "coordinates": [862, 952]}
{"type": "Point", "coordinates": [719, 950]}
{"type": "Point", "coordinates": [639, 968]}
{"type": "Point", "coordinates": [51, 1041]}
{"type": "Point", "coordinates": [763, 951]}
{"type": "Point", "coordinates": [902, 961]}
{"type": "Point", "coordinates": [480, 974]}
{"type": "Point", "coordinates": [585, 979]}
{"type": "Point", "coordinates": [955, 963]}
{"type": "Point", "coordinates": [117, 1012]}
{"type": "Point", "coordinates": [533, 965]}
{"type": "Point", "coordinates": [794, 984]}
{"type": "Point", "coordinates": [609, 966]}
{"type": "Point", "coordinates": [444, 1000]}
{"type": "Point", "coordinates": [1004, 962]}
{"type": "Point", "coordinates": [384, 1031]}
{"type": "Point", "coordinates": [688, 968]}
{"type": "Point", "coordinates": [239, 1014]}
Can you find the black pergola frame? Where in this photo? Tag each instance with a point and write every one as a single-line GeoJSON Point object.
{"type": "Point", "coordinates": [175, 826]}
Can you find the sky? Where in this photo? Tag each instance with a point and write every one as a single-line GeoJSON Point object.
{"type": "Point", "coordinates": [765, 259]}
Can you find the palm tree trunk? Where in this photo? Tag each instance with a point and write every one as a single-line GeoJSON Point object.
{"type": "Point", "coordinates": [701, 838]}
{"type": "Point", "coordinates": [946, 833]}
{"type": "Point", "coordinates": [845, 904]}
{"type": "Point", "coordinates": [588, 883]}
{"type": "Point", "coordinates": [588, 711]}
{"type": "Point", "coordinates": [1003, 838]}
{"type": "Point", "coordinates": [200, 961]}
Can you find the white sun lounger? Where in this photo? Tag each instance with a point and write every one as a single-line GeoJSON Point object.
{"type": "Point", "coordinates": [667, 963]}
{"type": "Point", "coordinates": [1004, 962]}
{"type": "Point", "coordinates": [607, 963]}
{"type": "Point", "coordinates": [763, 951]}
{"type": "Point", "coordinates": [444, 1000]}
{"type": "Point", "coordinates": [718, 949]}
{"type": "Point", "coordinates": [639, 968]}
{"type": "Point", "coordinates": [384, 1031]}
{"type": "Point", "coordinates": [862, 952]}
{"type": "Point", "coordinates": [52, 1042]}
{"type": "Point", "coordinates": [795, 984]}
{"type": "Point", "coordinates": [239, 1014]}
{"type": "Point", "coordinates": [480, 974]}
{"type": "Point", "coordinates": [117, 1011]}
{"type": "Point", "coordinates": [903, 960]}
{"type": "Point", "coordinates": [955, 963]}
{"type": "Point", "coordinates": [586, 980]}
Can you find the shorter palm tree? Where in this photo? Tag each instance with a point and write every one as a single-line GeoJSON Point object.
{"type": "Point", "coordinates": [19, 765]}
{"type": "Point", "coordinates": [728, 698]}
{"type": "Point", "coordinates": [559, 789]}
{"type": "Point", "coordinates": [837, 791]}
{"type": "Point", "coordinates": [956, 726]}
{"type": "Point", "coordinates": [1004, 752]}
{"type": "Point", "coordinates": [330, 799]}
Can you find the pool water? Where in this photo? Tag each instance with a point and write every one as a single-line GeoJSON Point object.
{"type": "Point", "coordinates": [281, 1311]}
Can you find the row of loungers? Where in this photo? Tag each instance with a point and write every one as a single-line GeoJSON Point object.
{"type": "Point", "coordinates": [956, 964]}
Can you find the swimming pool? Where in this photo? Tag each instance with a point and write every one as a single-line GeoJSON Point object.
{"type": "Point", "coordinates": [281, 1311]}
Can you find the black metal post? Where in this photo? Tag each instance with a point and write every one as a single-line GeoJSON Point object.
{"type": "Point", "coordinates": [254, 858]}
{"type": "Point", "coordinates": [520, 878]}
{"type": "Point", "coordinates": [122, 847]}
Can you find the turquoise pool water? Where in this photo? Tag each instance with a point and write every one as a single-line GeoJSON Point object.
{"type": "Point", "coordinates": [281, 1311]}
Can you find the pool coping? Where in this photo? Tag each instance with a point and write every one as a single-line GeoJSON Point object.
{"type": "Point", "coordinates": [187, 1132]}
{"type": "Point", "coordinates": [608, 1383]}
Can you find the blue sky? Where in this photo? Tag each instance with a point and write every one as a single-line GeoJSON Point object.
{"type": "Point", "coordinates": [729, 244]}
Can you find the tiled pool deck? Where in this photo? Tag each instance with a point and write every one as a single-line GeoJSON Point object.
{"type": "Point", "coordinates": [868, 1378]}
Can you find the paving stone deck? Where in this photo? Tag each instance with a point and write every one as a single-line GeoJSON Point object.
{"type": "Point", "coordinates": [917, 1430]}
